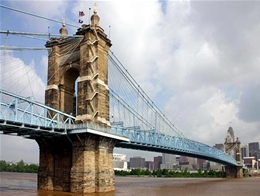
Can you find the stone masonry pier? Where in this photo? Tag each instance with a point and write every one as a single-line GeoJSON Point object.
{"type": "Point", "coordinates": [79, 164]}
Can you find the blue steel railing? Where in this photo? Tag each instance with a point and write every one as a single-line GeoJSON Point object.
{"type": "Point", "coordinates": [20, 110]}
{"type": "Point", "coordinates": [168, 143]}
{"type": "Point", "coordinates": [27, 111]}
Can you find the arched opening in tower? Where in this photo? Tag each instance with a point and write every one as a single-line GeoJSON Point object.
{"type": "Point", "coordinates": [68, 92]}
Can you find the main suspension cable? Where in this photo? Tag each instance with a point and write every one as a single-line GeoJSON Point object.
{"type": "Point", "coordinates": [38, 16]}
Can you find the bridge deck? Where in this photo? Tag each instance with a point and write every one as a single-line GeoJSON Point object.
{"type": "Point", "coordinates": [18, 117]}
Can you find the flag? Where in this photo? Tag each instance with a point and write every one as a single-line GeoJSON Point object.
{"type": "Point", "coordinates": [81, 13]}
{"type": "Point", "coordinates": [80, 21]}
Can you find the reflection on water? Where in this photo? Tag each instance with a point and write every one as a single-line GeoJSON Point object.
{"type": "Point", "coordinates": [57, 193]}
{"type": "Point", "coordinates": [18, 184]}
{"type": "Point", "coordinates": [26, 184]}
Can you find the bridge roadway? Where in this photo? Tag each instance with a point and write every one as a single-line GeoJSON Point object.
{"type": "Point", "coordinates": [22, 116]}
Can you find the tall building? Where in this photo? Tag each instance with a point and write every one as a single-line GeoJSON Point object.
{"type": "Point", "coordinates": [200, 162]}
{"type": "Point", "coordinates": [158, 159]}
{"type": "Point", "coordinates": [184, 162]}
{"type": "Point", "coordinates": [157, 162]}
{"type": "Point", "coordinates": [250, 162]}
{"type": "Point", "coordinates": [258, 154]}
{"type": "Point", "coordinates": [184, 159]}
{"type": "Point", "coordinates": [253, 149]}
{"type": "Point", "coordinates": [137, 162]}
{"type": "Point", "coordinates": [192, 161]}
{"type": "Point", "coordinates": [150, 165]}
{"type": "Point", "coordinates": [244, 151]}
{"type": "Point", "coordinates": [168, 161]}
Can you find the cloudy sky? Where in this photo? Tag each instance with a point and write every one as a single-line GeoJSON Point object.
{"type": "Point", "coordinates": [198, 60]}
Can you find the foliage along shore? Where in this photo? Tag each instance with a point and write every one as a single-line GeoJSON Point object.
{"type": "Point", "coordinates": [172, 173]}
{"type": "Point", "coordinates": [18, 167]}
{"type": "Point", "coordinates": [33, 168]}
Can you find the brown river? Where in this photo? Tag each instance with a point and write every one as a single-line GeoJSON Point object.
{"type": "Point", "coordinates": [26, 184]}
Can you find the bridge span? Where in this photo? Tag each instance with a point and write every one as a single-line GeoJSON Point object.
{"type": "Point", "coordinates": [77, 130]}
{"type": "Point", "coordinates": [27, 118]}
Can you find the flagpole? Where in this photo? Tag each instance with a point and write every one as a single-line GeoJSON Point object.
{"type": "Point", "coordinates": [89, 14]}
{"type": "Point", "coordinates": [109, 32]}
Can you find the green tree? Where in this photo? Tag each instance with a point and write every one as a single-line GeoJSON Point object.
{"type": "Point", "coordinates": [165, 172]}
{"type": "Point", "coordinates": [147, 172]}
{"type": "Point", "coordinates": [3, 166]}
{"type": "Point", "coordinates": [205, 173]}
{"type": "Point", "coordinates": [200, 172]}
{"type": "Point", "coordinates": [159, 173]}
{"type": "Point", "coordinates": [20, 166]}
{"type": "Point", "coordinates": [135, 172]}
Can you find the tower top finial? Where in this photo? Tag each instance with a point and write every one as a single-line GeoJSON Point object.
{"type": "Point", "coordinates": [95, 8]}
{"type": "Point", "coordinates": [63, 30]}
{"type": "Point", "coordinates": [95, 18]}
{"type": "Point", "coordinates": [64, 22]}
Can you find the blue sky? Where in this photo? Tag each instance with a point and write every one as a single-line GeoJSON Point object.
{"type": "Point", "coordinates": [198, 60]}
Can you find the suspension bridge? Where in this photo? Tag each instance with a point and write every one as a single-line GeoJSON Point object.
{"type": "Point", "coordinates": [91, 105]}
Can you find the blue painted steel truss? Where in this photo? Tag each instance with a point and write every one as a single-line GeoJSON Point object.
{"type": "Point", "coordinates": [24, 116]}
{"type": "Point", "coordinates": [159, 142]}
{"type": "Point", "coordinates": [28, 118]}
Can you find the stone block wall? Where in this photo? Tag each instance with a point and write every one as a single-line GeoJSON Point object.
{"type": "Point", "coordinates": [86, 166]}
{"type": "Point", "coordinates": [234, 171]}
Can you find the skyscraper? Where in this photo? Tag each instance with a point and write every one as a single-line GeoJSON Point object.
{"type": "Point", "coordinates": [254, 149]}
{"type": "Point", "coordinates": [157, 162]}
{"type": "Point", "coordinates": [158, 159]}
{"type": "Point", "coordinates": [168, 161]}
{"type": "Point", "coordinates": [137, 162]}
{"type": "Point", "coordinates": [244, 151]}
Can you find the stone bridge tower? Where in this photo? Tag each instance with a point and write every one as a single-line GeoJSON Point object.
{"type": "Point", "coordinates": [84, 61]}
{"type": "Point", "coordinates": [232, 147]}
{"type": "Point", "coordinates": [78, 85]}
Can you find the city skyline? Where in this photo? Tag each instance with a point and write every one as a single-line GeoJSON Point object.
{"type": "Point", "coordinates": [152, 155]}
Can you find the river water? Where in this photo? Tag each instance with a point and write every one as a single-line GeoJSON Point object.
{"type": "Point", "coordinates": [26, 184]}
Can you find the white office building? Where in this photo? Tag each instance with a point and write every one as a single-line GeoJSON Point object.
{"type": "Point", "coordinates": [168, 161]}
{"type": "Point", "coordinates": [119, 162]}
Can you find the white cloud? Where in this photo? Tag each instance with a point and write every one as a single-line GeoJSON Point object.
{"type": "Point", "coordinates": [38, 12]}
{"type": "Point", "coordinates": [249, 103]}
{"type": "Point", "coordinates": [19, 78]}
